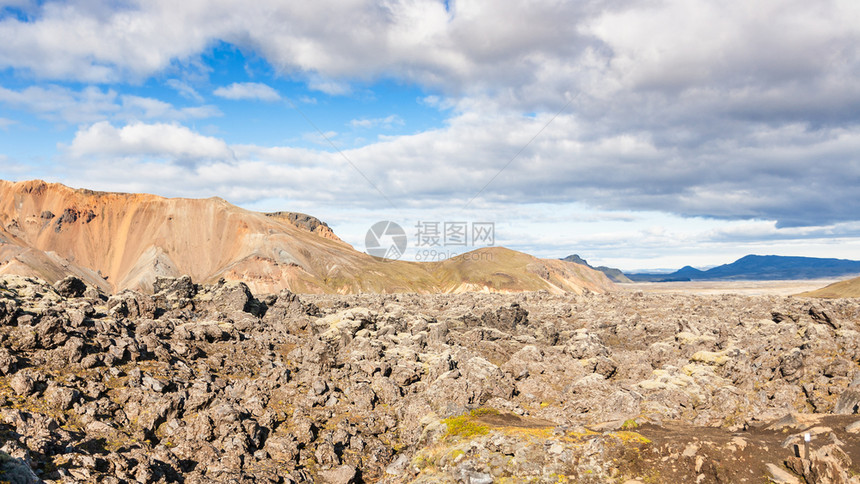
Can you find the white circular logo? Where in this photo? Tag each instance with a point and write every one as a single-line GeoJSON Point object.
{"type": "Point", "coordinates": [385, 239]}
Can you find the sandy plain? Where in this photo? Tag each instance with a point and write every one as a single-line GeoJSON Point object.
{"type": "Point", "coordinates": [746, 288]}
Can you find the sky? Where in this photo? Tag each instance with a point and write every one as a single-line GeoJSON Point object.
{"type": "Point", "coordinates": [640, 135]}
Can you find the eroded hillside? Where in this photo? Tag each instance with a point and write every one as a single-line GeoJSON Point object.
{"type": "Point", "coordinates": [118, 241]}
{"type": "Point", "coordinates": [841, 289]}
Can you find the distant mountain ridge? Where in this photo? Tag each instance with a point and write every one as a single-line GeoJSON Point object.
{"type": "Point", "coordinates": [614, 275]}
{"type": "Point", "coordinates": [760, 267]}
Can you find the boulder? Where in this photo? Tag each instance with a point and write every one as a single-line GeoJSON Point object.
{"type": "Point", "coordinates": [71, 286]}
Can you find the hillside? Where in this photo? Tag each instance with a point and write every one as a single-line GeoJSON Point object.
{"type": "Point", "coordinates": [849, 288]}
{"type": "Point", "coordinates": [614, 275]}
{"type": "Point", "coordinates": [761, 267]}
{"type": "Point", "coordinates": [118, 241]}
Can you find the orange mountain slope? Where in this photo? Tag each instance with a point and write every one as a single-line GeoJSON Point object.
{"type": "Point", "coordinates": [841, 289]}
{"type": "Point", "coordinates": [119, 241]}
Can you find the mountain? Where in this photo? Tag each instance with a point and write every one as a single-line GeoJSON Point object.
{"type": "Point", "coordinates": [614, 275]}
{"type": "Point", "coordinates": [118, 241]}
{"type": "Point", "coordinates": [849, 288]}
{"type": "Point", "coordinates": [761, 267]}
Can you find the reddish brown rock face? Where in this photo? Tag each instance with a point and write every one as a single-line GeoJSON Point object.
{"type": "Point", "coordinates": [118, 241]}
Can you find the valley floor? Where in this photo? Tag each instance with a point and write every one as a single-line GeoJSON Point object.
{"type": "Point", "coordinates": [747, 288]}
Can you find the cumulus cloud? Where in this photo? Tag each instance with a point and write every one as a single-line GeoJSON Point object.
{"type": "Point", "coordinates": [136, 107]}
{"type": "Point", "coordinates": [100, 41]}
{"type": "Point", "coordinates": [58, 103]}
{"type": "Point", "coordinates": [62, 104]}
{"type": "Point", "coordinates": [430, 176]}
{"type": "Point", "coordinates": [694, 107]}
{"type": "Point", "coordinates": [528, 55]}
{"type": "Point", "coordinates": [700, 64]}
{"type": "Point", "coordinates": [172, 160]}
{"type": "Point", "coordinates": [809, 180]}
{"type": "Point", "coordinates": [144, 141]}
{"type": "Point", "coordinates": [248, 90]}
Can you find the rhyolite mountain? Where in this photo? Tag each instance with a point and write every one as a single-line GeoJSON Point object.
{"type": "Point", "coordinates": [614, 275]}
{"type": "Point", "coordinates": [117, 241]}
{"type": "Point", "coordinates": [762, 268]}
{"type": "Point", "coordinates": [841, 289]}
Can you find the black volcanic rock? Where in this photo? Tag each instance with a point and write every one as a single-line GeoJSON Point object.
{"type": "Point", "coordinates": [576, 259]}
{"type": "Point", "coordinates": [308, 222]}
{"type": "Point", "coordinates": [210, 383]}
{"type": "Point", "coordinates": [71, 286]}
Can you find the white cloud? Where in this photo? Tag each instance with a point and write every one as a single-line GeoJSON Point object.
{"type": "Point", "coordinates": [61, 104]}
{"type": "Point", "coordinates": [5, 123]}
{"type": "Point", "coordinates": [142, 141]}
{"type": "Point", "coordinates": [680, 44]}
{"type": "Point", "coordinates": [22, 4]}
{"type": "Point", "coordinates": [741, 179]}
{"type": "Point", "coordinates": [501, 46]}
{"type": "Point", "coordinates": [328, 86]}
{"type": "Point", "coordinates": [185, 90]}
{"type": "Point", "coordinates": [101, 42]}
{"type": "Point", "coordinates": [624, 56]}
{"type": "Point", "coordinates": [387, 122]}
{"type": "Point", "coordinates": [430, 176]}
{"type": "Point", "coordinates": [57, 103]}
{"type": "Point", "coordinates": [13, 169]}
{"type": "Point", "coordinates": [136, 107]}
{"type": "Point", "coordinates": [695, 107]}
{"type": "Point", "coordinates": [248, 90]}
{"type": "Point", "coordinates": [324, 139]}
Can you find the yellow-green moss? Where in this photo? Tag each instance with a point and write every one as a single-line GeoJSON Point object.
{"type": "Point", "coordinates": [464, 427]}
{"type": "Point", "coordinates": [627, 436]}
{"type": "Point", "coordinates": [483, 411]}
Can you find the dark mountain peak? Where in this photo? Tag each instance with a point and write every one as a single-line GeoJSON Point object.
{"type": "Point", "coordinates": [576, 259]}
{"type": "Point", "coordinates": [688, 271]}
{"type": "Point", "coordinates": [614, 275]}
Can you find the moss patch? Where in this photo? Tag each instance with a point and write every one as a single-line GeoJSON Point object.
{"type": "Point", "coordinates": [629, 424]}
{"type": "Point", "coordinates": [464, 427]}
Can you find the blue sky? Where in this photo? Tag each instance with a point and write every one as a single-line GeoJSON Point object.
{"type": "Point", "coordinates": [636, 134]}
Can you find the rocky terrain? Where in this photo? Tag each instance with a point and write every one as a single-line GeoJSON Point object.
{"type": "Point", "coordinates": [211, 383]}
{"type": "Point", "coordinates": [117, 241]}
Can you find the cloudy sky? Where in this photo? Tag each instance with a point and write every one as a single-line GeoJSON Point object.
{"type": "Point", "coordinates": [647, 134]}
